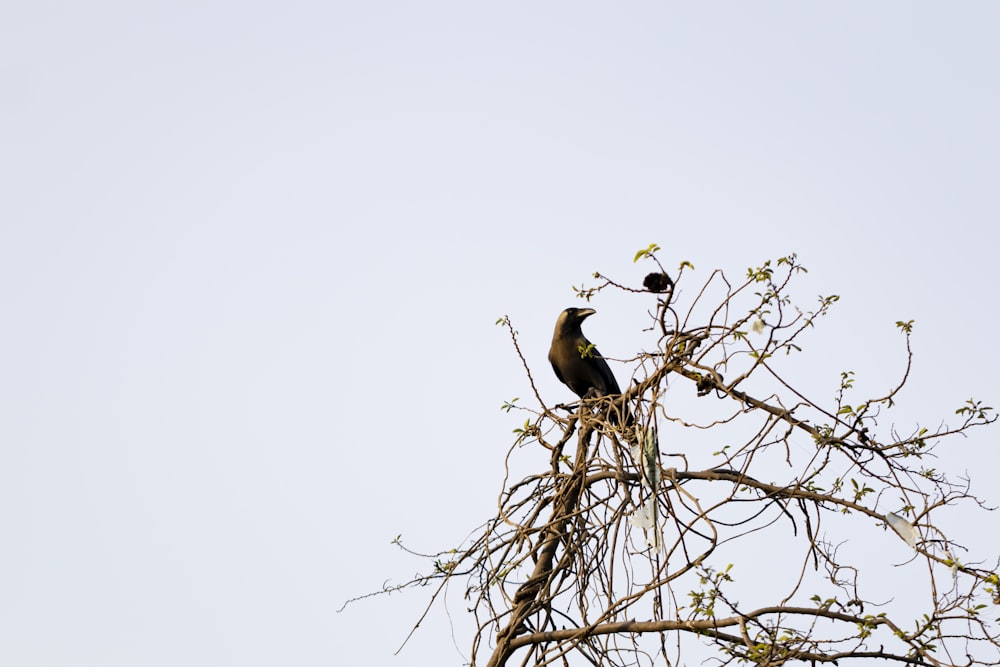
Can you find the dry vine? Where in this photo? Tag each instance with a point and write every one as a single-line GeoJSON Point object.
{"type": "Point", "coordinates": [612, 557]}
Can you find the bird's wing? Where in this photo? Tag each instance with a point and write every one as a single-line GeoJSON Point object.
{"type": "Point", "coordinates": [556, 369]}
{"type": "Point", "coordinates": [605, 371]}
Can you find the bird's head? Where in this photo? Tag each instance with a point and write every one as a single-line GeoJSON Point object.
{"type": "Point", "coordinates": [572, 318]}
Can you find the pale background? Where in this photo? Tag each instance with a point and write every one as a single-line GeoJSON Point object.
{"type": "Point", "coordinates": [251, 257]}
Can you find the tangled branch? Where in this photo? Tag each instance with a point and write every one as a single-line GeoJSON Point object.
{"type": "Point", "coordinates": [614, 557]}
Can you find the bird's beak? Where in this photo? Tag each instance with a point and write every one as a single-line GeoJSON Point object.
{"type": "Point", "coordinates": [584, 313]}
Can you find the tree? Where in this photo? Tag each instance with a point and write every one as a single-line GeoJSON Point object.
{"type": "Point", "coordinates": [634, 548]}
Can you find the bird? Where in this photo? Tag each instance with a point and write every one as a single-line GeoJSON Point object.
{"type": "Point", "coordinates": [579, 366]}
{"type": "Point", "coordinates": [576, 361]}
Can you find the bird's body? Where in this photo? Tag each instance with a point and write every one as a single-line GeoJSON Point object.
{"type": "Point", "coordinates": [576, 362]}
{"type": "Point", "coordinates": [581, 367]}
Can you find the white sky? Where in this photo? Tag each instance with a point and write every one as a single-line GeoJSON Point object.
{"type": "Point", "coordinates": [251, 257]}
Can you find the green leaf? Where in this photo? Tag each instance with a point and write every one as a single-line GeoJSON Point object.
{"type": "Point", "coordinates": [645, 252]}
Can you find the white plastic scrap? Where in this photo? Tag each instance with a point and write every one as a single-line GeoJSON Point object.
{"type": "Point", "coordinates": [953, 568]}
{"type": "Point", "coordinates": [647, 456]}
{"type": "Point", "coordinates": [903, 528]}
{"type": "Point", "coordinates": [645, 518]}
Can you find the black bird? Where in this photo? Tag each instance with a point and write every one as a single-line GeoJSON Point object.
{"type": "Point", "coordinates": [576, 362]}
{"type": "Point", "coordinates": [579, 365]}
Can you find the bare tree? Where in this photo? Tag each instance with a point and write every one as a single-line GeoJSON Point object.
{"type": "Point", "coordinates": [629, 549]}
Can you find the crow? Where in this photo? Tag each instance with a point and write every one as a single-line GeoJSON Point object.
{"type": "Point", "coordinates": [579, 365]}
{"type": "Point", "coordinates": [576, 361]}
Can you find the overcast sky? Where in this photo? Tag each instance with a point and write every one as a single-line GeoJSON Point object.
{"type": "Point", "coordinates": [251, 257]}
